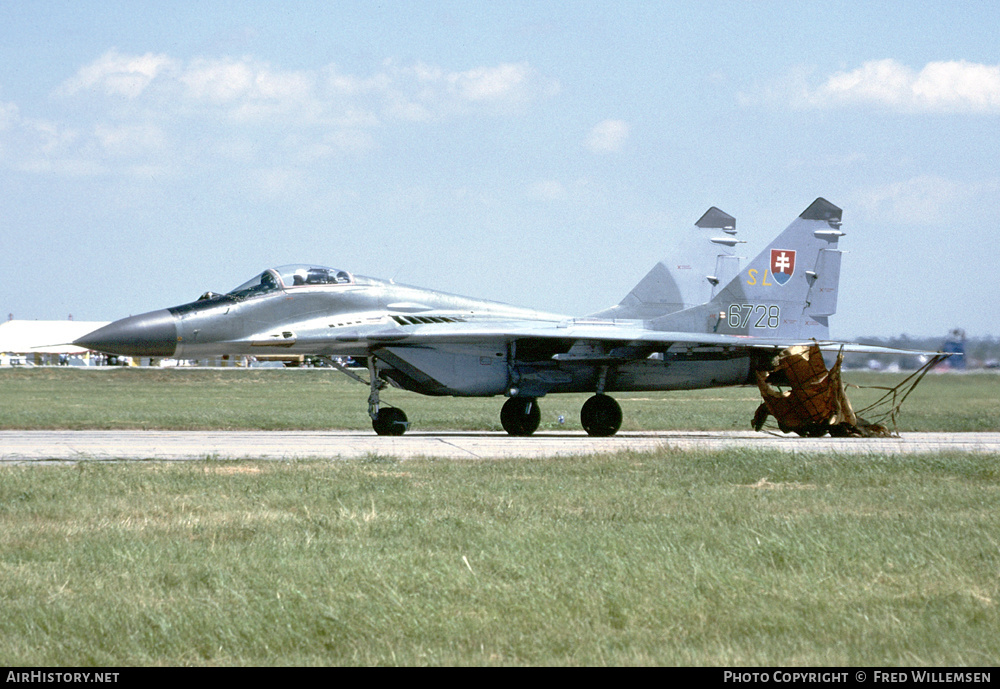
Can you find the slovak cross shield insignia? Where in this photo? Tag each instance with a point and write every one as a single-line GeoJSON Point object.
{"type": "Point", "coordinates": [782, 265]}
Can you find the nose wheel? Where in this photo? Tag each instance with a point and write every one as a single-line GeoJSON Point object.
{"type": "Point", "coordinates": [520, 416]}
{"type": "Point", "coordinates": [601, 416]}
{"type": "Point", "coordinates": [390, 421]}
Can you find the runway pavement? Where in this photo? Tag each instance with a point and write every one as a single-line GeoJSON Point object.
{"type": "Point", "coordinates": [74, 446]}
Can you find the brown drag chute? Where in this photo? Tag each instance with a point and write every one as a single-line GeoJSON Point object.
{"type": "Point", "coordinates": [815, 402]}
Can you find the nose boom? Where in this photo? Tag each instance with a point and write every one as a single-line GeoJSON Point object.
{"type": "Point", "coordinates": [148, 334]}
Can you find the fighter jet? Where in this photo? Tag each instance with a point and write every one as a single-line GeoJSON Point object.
{"type": "Point", "coordinates": [690, 323]}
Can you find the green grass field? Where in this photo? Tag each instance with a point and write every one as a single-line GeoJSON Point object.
{"type": "Point", "coordinates": [669, 558]}
{"type": "Point", "coordinates": [705, 559]}
{"type": "Point", "coordinates": [48, 398]}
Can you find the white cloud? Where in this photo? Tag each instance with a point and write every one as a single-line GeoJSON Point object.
{"type": "Point", "coordinates": [53, 138]}
{"type": "Point", "coordinates": [246, 89]}
{"type": "Point", "coordinates": [504, 82]}
{"type": "Point", "coordinates": [427, 93]}
{"type": "Point", "coordinates": [956, 86]}
{"type": "Point", "coordinates": [608, 136]}
{"type": "Point", "coordinates": [226, 80]}
{"type": "Point", "coordinates": [117, 74]}
{"type": "Point", "coordinates": [350, 85]}
{"type": "Point", "coordinates": [144, 106]}
{"type": "Point", "coordinates": [218, 81]}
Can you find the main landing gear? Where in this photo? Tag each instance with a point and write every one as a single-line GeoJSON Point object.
{"type": "Point", "coordinates": [601, 416]}
{"type": "Point", "coordinates": [520, 416]}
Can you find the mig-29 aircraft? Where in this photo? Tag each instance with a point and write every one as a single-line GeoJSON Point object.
{"type": "Point", "coordinates": [690, 323]}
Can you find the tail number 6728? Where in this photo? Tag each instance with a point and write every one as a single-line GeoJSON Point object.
{"type": "Point", "coordinates": [761, 315]}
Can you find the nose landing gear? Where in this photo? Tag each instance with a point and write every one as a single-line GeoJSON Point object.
{"type": "Point", "coordinates": [390, 421]}
{"type": "Point", "coordinates": [385, 420]}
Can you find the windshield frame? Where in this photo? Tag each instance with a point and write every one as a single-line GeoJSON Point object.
{"type": "Point", "coordinates": [294, 276]}
{"type": "Point", "coordinates": [300, 275]}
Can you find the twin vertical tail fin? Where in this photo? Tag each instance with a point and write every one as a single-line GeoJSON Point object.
{"type": "Point", "coordinates": [788, 291]}
{"type": "Point", "coordinates": [699, 264]}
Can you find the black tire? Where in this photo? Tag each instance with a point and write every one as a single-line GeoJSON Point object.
{"type": "Point", "coordinates": [520, 416]}
{"type": "Point", "coordinates": [601, 416]}
{"type": "Point", "coordinates": [813, 430]}
{"type": "Point", "coordinates": [390, 421]}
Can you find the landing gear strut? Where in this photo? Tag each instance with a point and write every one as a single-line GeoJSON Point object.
{"type": "Point", "coordinates": [520, 416]}
{"type": "Point", "coordinates": [387, 420]}
{"type": "Point", "coordinates": [601, 416]}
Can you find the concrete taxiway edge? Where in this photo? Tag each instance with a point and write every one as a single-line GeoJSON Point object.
{"type": "Point", "coordinates": [73, 446]}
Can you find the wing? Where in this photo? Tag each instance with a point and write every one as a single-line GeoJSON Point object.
{"type": "Point", "coordinates": [535, 359]}
{"type": "Point", "coordinates": [608, 334]}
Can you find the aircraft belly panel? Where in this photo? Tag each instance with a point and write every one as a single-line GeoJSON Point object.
{"type": "Point", "coordinates": [632, 376]}
{"type": "Point", "coordinates": [458, 370]}
{"type": "Point", "coordinates": [650, 374]}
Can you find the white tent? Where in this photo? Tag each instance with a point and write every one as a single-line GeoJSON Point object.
{"type": "Point", "coordinates": [44, 337]}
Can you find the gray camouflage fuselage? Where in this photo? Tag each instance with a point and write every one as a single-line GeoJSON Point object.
{"type": "Point", "coordinates": [436, 343]}
{"type": "Point", "coordinates": [390, 321]}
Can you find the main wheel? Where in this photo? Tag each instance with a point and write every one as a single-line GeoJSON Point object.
{"type": "Point", "coordinates": [390, 421]}
{"type": "Point", "coordinates": [601, 416]}
{"type": "Point", "coordinates": [520, 416]}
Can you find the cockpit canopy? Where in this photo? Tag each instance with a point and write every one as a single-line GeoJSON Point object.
{"type": "Point", "coordinates": [291, 277]}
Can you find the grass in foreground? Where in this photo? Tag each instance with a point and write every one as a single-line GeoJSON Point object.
{"type": "Point", "coordinates": [700, 558]}
{"type": "Point", "coordinates": [48, 398]}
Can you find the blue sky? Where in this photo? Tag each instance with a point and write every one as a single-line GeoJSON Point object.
{"type": "Point", "coordinates": [540, 153]}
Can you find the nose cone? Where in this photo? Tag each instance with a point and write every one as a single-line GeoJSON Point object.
{"type": "Point", "coordinates": [148, 334]}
